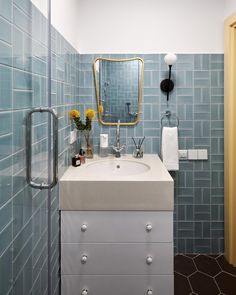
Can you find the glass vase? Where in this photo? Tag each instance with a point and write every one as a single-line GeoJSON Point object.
{"type": "Point", "coordinates": [87, 143]}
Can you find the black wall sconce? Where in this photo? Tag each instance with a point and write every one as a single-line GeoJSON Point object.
{"type": "Point", "coordinates": [167, 85]}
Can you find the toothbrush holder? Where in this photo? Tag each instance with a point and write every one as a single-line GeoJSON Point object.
{"type": "Point", "coordinates": [138, 152]}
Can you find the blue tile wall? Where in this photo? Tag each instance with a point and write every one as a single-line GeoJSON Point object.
{"type": "Point", "coordinates": [197, 100]}
{"type": "Point", "coordinates": [23, 85]}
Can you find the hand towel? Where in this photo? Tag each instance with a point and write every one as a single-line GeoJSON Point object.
{"type": "Point", "coordinates": [170, 148]}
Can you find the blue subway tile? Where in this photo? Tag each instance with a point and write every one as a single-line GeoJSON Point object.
{"type": "Point", "coordinates": [5, 54]}
{"type": "Point", "coordinates": [5, 238]}
{"type": "Point", "coordinates": [22, 99]}
{"type": "Point", "coordinates": [5, 88]}
{"type": "Point", "coordinates": [23, 256]}
{"type": "Point", "coordinates": [39, 66]}
{"type": "Point", "coordinates": [184, 99]}
{"type": "Point", "coordinates": [5, 146]}
{"type": "Point", "coordinates": [21, 238]}
{"type": "Point", "coordinates": [201, 83]}
{"type": "Point", "coordinates": [22, 80]}
{"type": "Point", "coordinates": [5, 31]}
{"type": "Point", "coordinates": [184, 91]}
{"type": "Point", "coordinates": [24, 5]}
{"type": "Point", "coordinates": [18, 284]}
{"type": "Point", "coordinates": [18, 49]}
{"type": "Point", "coordinates": [217, 65]}
{"type": "Point", "coordinates": [6, 9]}
{"type": "Point", "coordinates": [147, 79]}
{"type": "Point", "coordinates": [205, 61]}
{"type": "Point", "coordinates": [201, 75]}
{"type": "Point", "coordinates": [202, 116]}
{"type": "Point", "coordinates": [5, 180]}
{"type": "Point", "coordinates": [201, 108]}
{"type": "Point", "coordinates": [22, 21]}
{"type": "Point", "coordinates": [6, 271]}
{"type": "Point", "coordinates": [5, 123]}
{"type": "Point", "coordinates": [5, 216]}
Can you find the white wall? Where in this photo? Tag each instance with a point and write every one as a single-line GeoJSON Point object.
{"type": "Point", "coordinates": [64, 17]}
{"type": "Point", "coordinates": [112, 26]}
{"type": "Point", "coordinates": [119, 26]}
{"type": "Point", "coordinates": [42, 6]}
{"type": "Point", "coordinates": [230, 7]}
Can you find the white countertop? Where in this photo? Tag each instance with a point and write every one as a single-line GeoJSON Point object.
{"type": "Point", "coordinates": [157, 172]}
{"type": "Point", "coordinates": [152, 190]}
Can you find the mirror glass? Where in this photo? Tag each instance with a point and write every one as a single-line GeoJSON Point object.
{"type": "Point", "coordinates": [118, 85]}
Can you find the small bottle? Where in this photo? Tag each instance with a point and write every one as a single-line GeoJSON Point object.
{"type": "Point", "coordinates": [82, 156]}
{"type": "Point", "coordinates": [103, 145]}
{"type": "Point", "coordinates": [76, 160]}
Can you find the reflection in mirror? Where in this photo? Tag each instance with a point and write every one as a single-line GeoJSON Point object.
{"type": "Point", "coordinates": [118, 89]}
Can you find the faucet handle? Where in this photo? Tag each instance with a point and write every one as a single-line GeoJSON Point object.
{"type": "Point", "coordinates": [118, 149]}
{"type": "Point", "coordinates": [115, 148]}
{"type": "Point", "coordinates": [122, 147]}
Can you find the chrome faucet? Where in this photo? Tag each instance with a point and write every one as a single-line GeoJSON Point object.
{"type": "Point", "coordinates": [118, 148]}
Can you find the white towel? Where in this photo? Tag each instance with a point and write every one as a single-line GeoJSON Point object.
{"type": "Point", "coordinates": [170, 148]}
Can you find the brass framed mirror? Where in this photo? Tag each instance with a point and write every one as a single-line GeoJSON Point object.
{"type": "Point", "coordinates": [118, 84]}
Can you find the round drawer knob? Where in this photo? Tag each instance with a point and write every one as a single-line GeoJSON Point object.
{"type": "Point", "coordinates": [149, 260]}
{"type": "Point", "coordinates": [148, 227]}
{"type": "Point", "coordinates": [84, 292]}
{"type": "Point", "coordinates": [149, 292]}
{"type": "Point", "coordinates": [84, 258]}
{"type": "Point", "coordinates": [84, 227]}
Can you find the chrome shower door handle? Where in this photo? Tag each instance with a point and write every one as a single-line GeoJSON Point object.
{"type": "Point", "coordinates": [29, 148]}
{"type": "Point", "coordinates": [55, 147]}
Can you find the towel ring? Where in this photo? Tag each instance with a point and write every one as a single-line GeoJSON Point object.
{"type": "Point", "coordinates": [168, 115]}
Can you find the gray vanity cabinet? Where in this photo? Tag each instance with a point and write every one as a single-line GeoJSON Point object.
{"type": "Point", "coordinates": [114, 252]}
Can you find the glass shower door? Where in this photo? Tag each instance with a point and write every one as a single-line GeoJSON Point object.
{"type": "Point", "coordinates": [28, 263]}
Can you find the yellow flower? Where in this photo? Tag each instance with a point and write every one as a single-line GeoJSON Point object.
{"type": "Point", "coordinates": [100, 109]}
{"type": "Point", "coordinates": [90, 114]}
{"type": "Point", "coordinates": [74, 114]}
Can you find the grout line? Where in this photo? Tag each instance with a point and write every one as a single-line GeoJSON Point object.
{"type": "Point", "coordinates": [217, 283]}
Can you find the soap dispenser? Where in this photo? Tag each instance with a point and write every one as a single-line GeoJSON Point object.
{"type": "Point", "coordinates": [103, 145]}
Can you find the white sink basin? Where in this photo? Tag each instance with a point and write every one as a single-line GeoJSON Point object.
{"type": "Point", "coordinates": [117, 184]}
{"type": "Point", "coordinates": [117, 167]}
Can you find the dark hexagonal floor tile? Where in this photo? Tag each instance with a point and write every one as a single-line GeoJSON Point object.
{"type": "Point", "coordinates": [203, 284]}
{"type": "Point", "coordinates": [207, 265]}
{"type": "Point", "coordinates": [226, 283]}
{"type": "Point", "coordinates": [184, 265]}
{"type": "Point", "coordinates": [226, 266]}
{"type": "Point", "coordinates": [182, 286]}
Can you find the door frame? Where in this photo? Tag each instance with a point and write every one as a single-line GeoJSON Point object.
{"type": "Point", "coordinates": [230, 137]}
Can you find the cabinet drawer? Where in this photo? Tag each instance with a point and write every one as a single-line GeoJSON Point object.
{"type": "Point", "coordinates": [117, 259]}
{"type": "Point", "coordinates": [117, 285]}
{"type": "Point", "coordinates": [112, 227]}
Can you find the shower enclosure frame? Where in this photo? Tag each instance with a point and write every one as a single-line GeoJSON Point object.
{"type": "Point", "coordinates": [52, 153]}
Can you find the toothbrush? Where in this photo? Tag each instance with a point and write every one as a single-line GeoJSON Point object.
{"type": "Point", "coordinates": [141, 142]}
{"type": "Point", "coordinates": [134, 142]}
